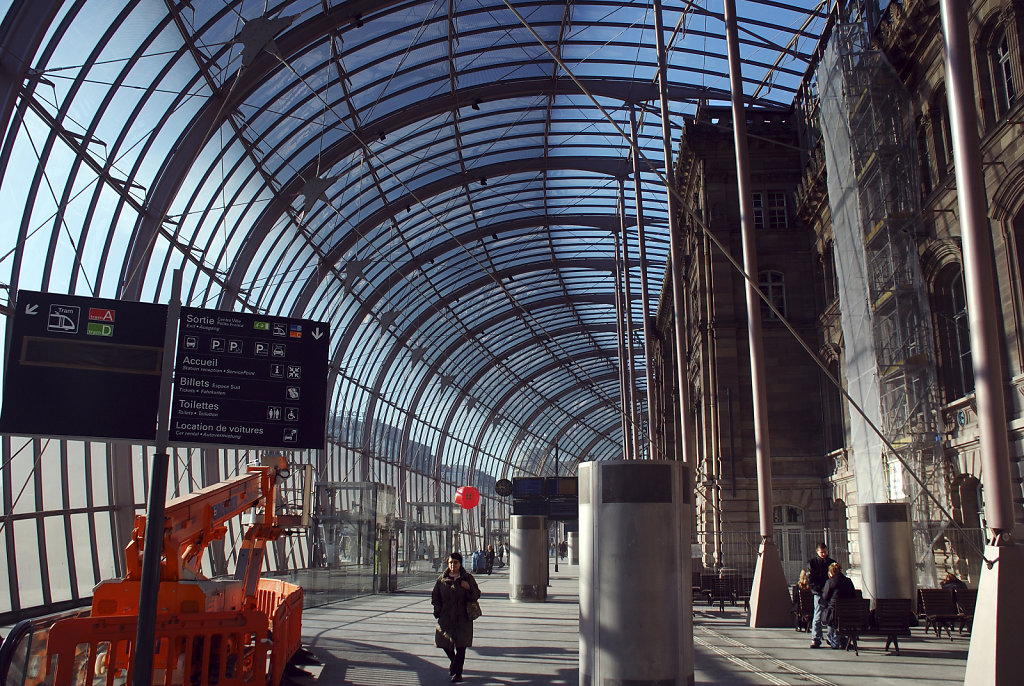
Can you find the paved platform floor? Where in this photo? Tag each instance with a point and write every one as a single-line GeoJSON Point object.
{"type": "Point", "coordinates": [387, 640]}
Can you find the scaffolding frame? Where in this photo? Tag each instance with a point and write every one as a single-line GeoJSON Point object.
{"type": "Point", "coordinates": [883, 170]}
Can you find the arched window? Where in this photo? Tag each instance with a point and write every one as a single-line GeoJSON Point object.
{"type": "Point", "coordinates": [942, 135]}
{"type": "Point", "coordinates": [773, 284]}
{"type": "Point", "coordinates": [832, 409]}
{"type": "Point", "coordinates": [954, 340]}
{"type": "Point", "coordinates": [829, 278]}
{"type": "Point", "coordinates": [1004, 80]}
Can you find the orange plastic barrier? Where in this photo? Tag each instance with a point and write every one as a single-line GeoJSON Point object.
{"type": "Point", "coordinates": [210, 649]}
{"type": "Point", "coordinates": [282, 602]}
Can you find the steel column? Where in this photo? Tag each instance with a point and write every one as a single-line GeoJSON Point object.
{"type": "Point", "coordinates": [627, 444]}
{"type": "Point", "coordinates": [627, 310]}
{"type": "Point", "coordinates": [769, 601]}
{"type": "Point", "coordinates": [676, 253]}
{"type": "Point", "coordinates": [994, 656]}
{"type": "Point", "coordinates": [645, 298]}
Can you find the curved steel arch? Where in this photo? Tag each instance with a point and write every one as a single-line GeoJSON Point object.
{"type": "Point", "coordinates": [610, 166]}
{"type": "Point", "coordinates": [417, 323]}
{"type": "Point", "coordinates": [513, 444]}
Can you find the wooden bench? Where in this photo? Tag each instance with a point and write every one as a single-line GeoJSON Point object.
{"type": "Point", "coordinates": [939, 610]}
{"type": "Point", "coordinates": [803, 612]}
{"type": "Point", "coordinates": [965, 599]}
{"type": "Point", "coordinates": [891, 618]}
{"type": "Point", "coordinates": [722, 590]}
{"type": "Point", "coordinates": [851, 618]}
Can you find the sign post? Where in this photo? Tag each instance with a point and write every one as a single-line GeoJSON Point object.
{"type": "Point", "coordinates": [149, 586]}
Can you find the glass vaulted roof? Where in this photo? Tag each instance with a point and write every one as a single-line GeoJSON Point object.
{"type": "Point", "coordinates": [426, 176]}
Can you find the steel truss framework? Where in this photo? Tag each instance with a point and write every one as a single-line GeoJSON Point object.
{"type": "Point", "coordinates": [424, 175]}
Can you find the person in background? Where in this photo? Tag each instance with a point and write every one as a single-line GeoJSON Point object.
{"type": "Point", "coordinates": [454, 631]}
{"type": "Point", "coordinates": [489, 559]}
{"type": "Point", "coordinates": [838, 586]}
{"type": "Point", "coordinates": [954, 582]}
{"type": "Point", "coordinates": [800, 585]}
{"type": "Point", "coordinates": [817, 575]}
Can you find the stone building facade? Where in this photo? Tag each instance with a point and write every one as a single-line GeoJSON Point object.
{"type": "Point", "coordinates": [814, 490]}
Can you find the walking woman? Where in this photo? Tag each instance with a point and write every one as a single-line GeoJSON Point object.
{"type": "Point", "coordinates": [454, 631]}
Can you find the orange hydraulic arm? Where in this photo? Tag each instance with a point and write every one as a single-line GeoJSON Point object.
{"type": "Point", "coordinates": [193, 521]}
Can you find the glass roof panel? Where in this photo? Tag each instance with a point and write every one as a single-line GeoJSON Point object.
{"type": "Point", "coordinates": [409, 174]}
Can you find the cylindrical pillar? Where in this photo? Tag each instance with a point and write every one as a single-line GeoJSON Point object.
{"type": "Point", "coordinates": [573, 538]}
{"type": "Point", "coordinates": [887, 551]}
{"type": "Point", "coordinates": [528, 558]}
{"type": "Point", "coordinates": [635, 603]}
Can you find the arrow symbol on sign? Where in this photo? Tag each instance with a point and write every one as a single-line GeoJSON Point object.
{"type": "Point", "coordinates": [31, 309]}
{"type": "Point", "coordinates": [317, 333]}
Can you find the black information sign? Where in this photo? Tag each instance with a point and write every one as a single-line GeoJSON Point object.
{"type": "Point", "coordinates": [247, 380]}
{"type": "Point", "coordinates": [83, 367]}
{"type": "Point", "coordinates": [528, 487]}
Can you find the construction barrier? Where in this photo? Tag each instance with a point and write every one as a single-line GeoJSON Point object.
{"type": "Point", "coordinates": [207, 649]}
{"type": "Point", "coordinates": [282, 603]}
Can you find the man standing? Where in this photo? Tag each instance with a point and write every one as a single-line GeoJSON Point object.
{"type": "Point", "coordinates": [817, 575]}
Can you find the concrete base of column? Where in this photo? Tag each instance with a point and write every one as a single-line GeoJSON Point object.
{"type": "Point", "coordinates": [769, 597]}
{"type": "Point", "coordinates": [995, 657]}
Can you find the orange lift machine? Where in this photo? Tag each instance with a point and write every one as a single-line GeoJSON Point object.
{"type": "Point", "coordinates": [242, 630]}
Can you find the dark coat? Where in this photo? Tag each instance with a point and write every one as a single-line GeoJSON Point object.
{"type": "Point", "coordinates": [817, 572]}
{"type": "Point", "coordinates": [454, 627]}
{"type": "Point", "coordinates": [839, 586]}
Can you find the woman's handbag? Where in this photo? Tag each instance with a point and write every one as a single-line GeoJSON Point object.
{"type": "Point", "coordinates": [473, 609]}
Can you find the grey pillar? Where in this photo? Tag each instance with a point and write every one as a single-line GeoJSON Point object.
{"type": "Point", "coordinates": [528, 559]}
{"type": "Point", "coordinates": [994, 656]}
{"type": "Point", "coordinates": [573, 539]}
{"type": "Point", "coordinates": [635, 515]}
{"type": "Point", "coordinates": [769, 597]}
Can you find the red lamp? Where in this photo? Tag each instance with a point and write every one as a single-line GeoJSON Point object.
{"type": "Point", "coordinates": [467, 496]}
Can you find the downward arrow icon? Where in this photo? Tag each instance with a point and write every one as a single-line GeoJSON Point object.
{"type": "Point", "coordinates": [317, 333]}
{"type": "Point", "coordinates": [31, 309]}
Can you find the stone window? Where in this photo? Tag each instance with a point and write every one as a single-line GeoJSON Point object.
{"type": "Point", "coordinates": [773, 284]}
{"type": "Point", "coordinates": [956, 373]}
{"type": "Point", "coordinates": [770, 211]}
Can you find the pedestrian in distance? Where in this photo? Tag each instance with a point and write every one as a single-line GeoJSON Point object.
{"type": "Point", "coordinates": [454, 632]}
{"type": "Point", "coordinates": [489, 559]}
{"type": "Point", "coordinates": [817, 575]}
